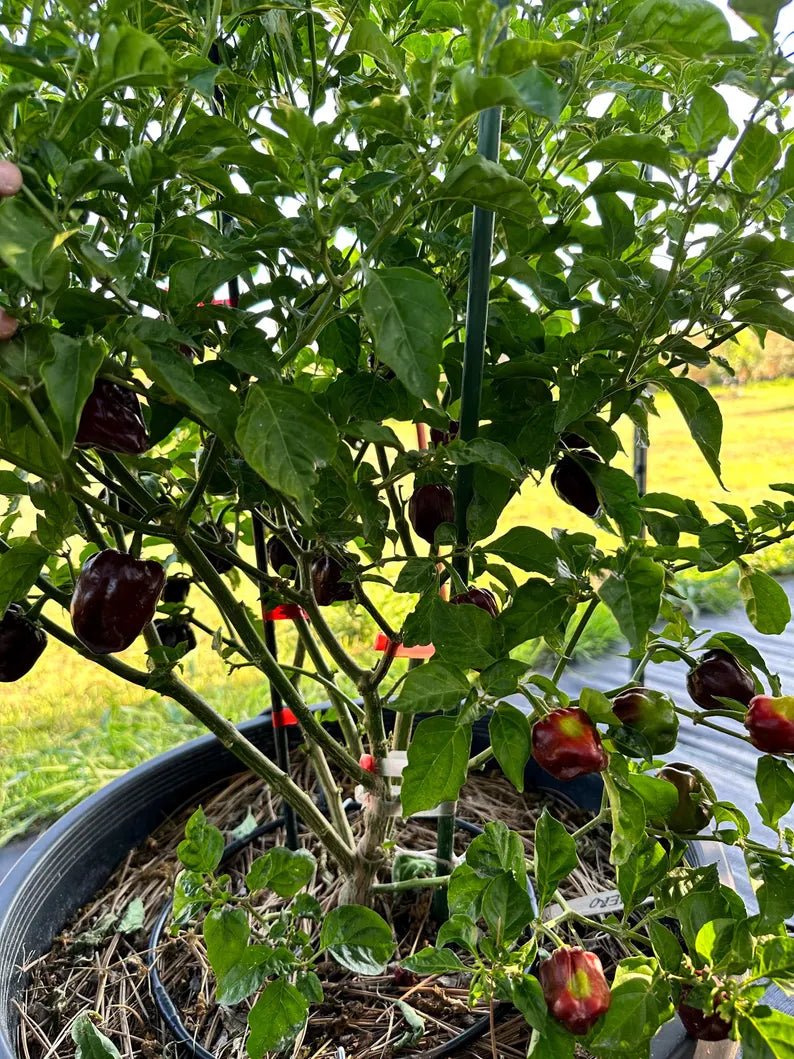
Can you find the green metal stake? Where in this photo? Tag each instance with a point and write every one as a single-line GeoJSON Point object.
{"type": "Point", "coordinates": [482, 229]}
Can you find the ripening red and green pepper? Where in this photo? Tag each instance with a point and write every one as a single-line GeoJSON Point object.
{"type": "Point", "coordinates": [574, 988]}
{"type": "Point", "coordinates": [566, 744]}
{"type": "Point", "coordinates": [770, 723]}
{"type": "Point", "coordinates": [651, 714]}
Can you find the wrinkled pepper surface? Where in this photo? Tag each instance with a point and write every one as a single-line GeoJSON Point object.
{"type": "Point", "coordinates": [574, 485]}
{"type": "Point", "coordinates": [652, 714]}
{"type": "Point", "coordinates": [574, 988]}
{"type": "Point", "coordinates": [327, 582]}
{"type": "Point", "coordinates": [114, 599]}
{"type": "Point", "coordinates": [566, 744]}
{"type": "Point", "coordinates": [719, 672]}
{"type": "Point", "coordinates": [695, 797]}
{"type": "Point", "coordinates": [770, 723]}
{"type": "Point", "coordinates": [21, 644]}
{"type": "Point", "coordinates": [111, 419]}
{"type": "Point", "coordinates": [429, 507]}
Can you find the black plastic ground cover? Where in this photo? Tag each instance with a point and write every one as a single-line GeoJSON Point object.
{"type": "Point", "coordinates": [75, 857]}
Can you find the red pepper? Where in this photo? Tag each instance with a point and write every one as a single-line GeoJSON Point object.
{"type": "Point", "coordinates": [21, 644]}
{"type": "Point", "coordinates": [479, 597]}
{"type": "Point", "coordinates": [574, 485]}
{"type": "Point", "coordinates": [566, 743]}
{"type": "Point", "coordinates": [114, 599]}
{"type": "Point", "coordinates": [695, 797]}
{"type": "Point", "coordinates": [327, 582]}
{"type": "Point", "coordinates": [698, 1024]}
{"type": "Point", "coordinates": [770, 723]}
{"type": "Point", "coordinates": [575, 989]}
{"type": "Point", "coordinates": [111, 419]}
{"type": "Point", "coordinates": [367, 762]}
{"type": "Point", "coordinates": [429, 507]}
{"type": "Point", "coordinates": [173, 633]}
{"type": "Point", "coordinates": [718, 672]}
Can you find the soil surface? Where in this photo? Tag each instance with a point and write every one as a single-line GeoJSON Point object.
{"type": "Point", "coordinates": [96, 966]}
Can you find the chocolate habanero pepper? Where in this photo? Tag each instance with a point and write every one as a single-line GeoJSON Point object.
{"type": "Point", "coordinates": [574, 988]}
{"type": "Point", "coordinates": [279, 556]}
{"type": "Point", "coordinates": [443, 437]}
{"type": "Point", "coordinates": [173, 633]}
{"type": "Point", "coordinates": [699, 1024]}
{"type": "Point", "coordinates": [695, 797]}
{"type": "Point", "coordinates": [574, 485]}
{"type": "Point", "coordinates": [327, 582]}
{"type": "Point", "coordinates": [652, 714]}
{"type": "Point", "coordinates": [114, 599]}
{"type": "Point", "coordinates": [176, 588]}
{"type": "Point", "coordinates": [429, 507]}
{"type": "Point", "coordinates": [111, 419]}
{"type": "Point", "coordinates": [770, 723]}
{"type": "Point", "coordinates": [478, 597]}
{"type": "Point", "coordinates": [719, 672]}
{"type": "Point", "coordinates": [21, 644]}
{"type": "Point", "coordinates": [566, 744]}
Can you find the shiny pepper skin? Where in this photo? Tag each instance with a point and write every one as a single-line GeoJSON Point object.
{"type": "Point", "coordinates": [279, 555]}
{"type": "Point", "coordinates": [695, 797]}
{"type": "Point", "coordinates": [429, 507]}
{"type": "Point", "coordinates": [770, 723]}
{"type": "Point", "coordinates": [652, 714]}
{"type": "Point", "coordinates": [114, 599]}
{"type": "Point", "coordinates": [111, 419]}
{"type": "Point", "coordinates": [566, 744]}
{"type": "Point", "coordinates": [21, 644]}
{"type": "Point", "coordinates": [719, 673]}
{"type": "Point", "coordinates": [478, 597]}
{"type": "Point", "coordinates": [574, 988]}
{"type": "Point", "coordinates": [327, 582]}
{"type": "Point", "coordinates": [173, 633]}
{"type": "Point", "coordinates": [574, 485]}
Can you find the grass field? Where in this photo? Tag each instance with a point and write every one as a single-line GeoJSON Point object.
{"type": "Point", "coordinates": [68, 726]}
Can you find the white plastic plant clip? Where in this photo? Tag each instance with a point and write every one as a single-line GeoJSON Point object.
{"type": "Point", "coordinates": [392, 767]}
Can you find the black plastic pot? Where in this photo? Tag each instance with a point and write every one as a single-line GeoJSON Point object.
{"type": "Point", "coordinates": [72, 860]}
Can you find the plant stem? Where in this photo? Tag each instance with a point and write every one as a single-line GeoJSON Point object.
{"type": "Point", "coordinates": [567, 652]}
{"type": "Point", "coordinates": [480, 759]}
{"type": "Point", "coordinates": [431, 882]}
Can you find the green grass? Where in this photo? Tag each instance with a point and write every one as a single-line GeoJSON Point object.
{"type": "Point", "coordinates": [68, 726]}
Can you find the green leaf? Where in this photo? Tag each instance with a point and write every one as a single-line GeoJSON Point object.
{"type": "Point", "coordinates": [358, 938]}
{"type": "Point", "coordinates": [29, 247]}
{"type": "Point", "coordinates": [634, 597]}
{"type": "Point", "coordinates": [766, 1034]}
{"type": "Point", "coordinates": [757, 156]}
{"type": "Point", "coordinates": [659, 797]}
{"type": "Point", "coordinates": [531, 90]}
{"type": "Point", "coordinates": [708, 120]}
{"type": "Point", "coordinates": [282, 870]}
{"type": "Point", "coordinates": [537, 609]}
{"type": "Point", "coordinates": [91, 1044]}
{"type": "Point", "coordinates": [618, 494]}
{"type": "Point", "coordinates": [19, 568]}
{"type": "Point", "coordinates": [773, 882]}
{"type": "Point", "coordinates": [640, 1005]}
{"type": "Point", "coordinates": [133, 918]}
{"type": "Point", "coordinates": [636, 876]}
{"type": "Point", "coordinates": [666, 946]}
{"type": "Point", "coordinates": [126, 56]}
{"type": "Point", "coordinates": [417, 575]}
{"type": "Point", "coordinates": [408, 315]}
{"type": "Point", "coordinates": [463, 634]}
{"type": "Point", "coordinates": [506, 908]}
{"type": "Point", "coordinates": [775, 781]}
{"type": "Point", "coordinates": [276, 1018]}
{"type": "Point", "coordinates": [191, 282]}
{"type": "Point", "coordinates": [433, 961]}
{"type": "Point", "coordinates": [245, 976]}
{"type": "Point", "coordinates": [511, 741]}
{"type": "Point", "coordinates": [490, 454]}
{"type": "Point", "coordinates": [202, 847]}
{"type": "Point", "coordinates": [774, 959]}
{"type": "Point", "coordinates": [488, 185]}
{"type": "Point", "coordinates": [286, 437]}
{"type": "Point", "coordinates": [459, 930]}
{"type": "Point", "coordinates": [226, 934]}
{"type": "Point", "coordinates": [555, 856]}
{"type": "Point", "coordinates": [637, 147]}
{"type": "Point", "coordinates": [69, 379]}
{"type": "Point", "coordinates": [437, 685]}
{"type": "Point", "coordinates": [437, 762]}
{"type": "Point", "coordinates": [528, 549]}
{"type": "Point", "coordinates": [762, 15]}
{"type": "Point", "coordinates": [765, 601]}
{"type": "Point", "coordinates": [718, 545]}
{"type": "Point", "coordinates": [628, 818]}
{"type": "Point", "coordinates": [497, 850]}
{"type": "Point", "coordinates": [578, 396]}
{"type": "Point", "coordinates": [687, 28]}
{"type": "Point", "coordinates": [517, 54]}
{"type": "Point", "coordinates": [369, 38]}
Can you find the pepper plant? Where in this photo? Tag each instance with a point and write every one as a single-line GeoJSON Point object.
{"type": "Point", "coordinates": [235, 258]}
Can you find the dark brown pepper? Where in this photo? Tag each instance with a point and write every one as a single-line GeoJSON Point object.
{"type": "Point", "coordinates": [327, 582]}
{"type": "Point", "coordinates": [478, 597]}
{"type": "Point", "coordinates": [111, 419]}
{"type": "Point", "coordinates": [574, 485]}
{"type": "Point", "coordinates": [719, 672]}
{"type": "Point", "coordinates": [21, 644]}
{"type": "Point", "coordinates": [173, 633]}
{"type": "Point", "coordinates": [429, 507]}
{"type": "Point", "coordinates": [114, 599]}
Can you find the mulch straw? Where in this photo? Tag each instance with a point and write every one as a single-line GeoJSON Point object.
{"type": "Point", "coordinates": [108, 974]}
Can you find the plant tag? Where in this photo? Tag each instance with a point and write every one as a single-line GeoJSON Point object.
{"type": "Point", "coordinates": [601, 904]}
{"type": "Point", "coordinates": [285, 612]}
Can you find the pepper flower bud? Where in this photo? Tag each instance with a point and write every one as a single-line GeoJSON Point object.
{"type": "Point", "coordinates": [574, 988]}
{"type": "Point", "coordinates": [566, 744]}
